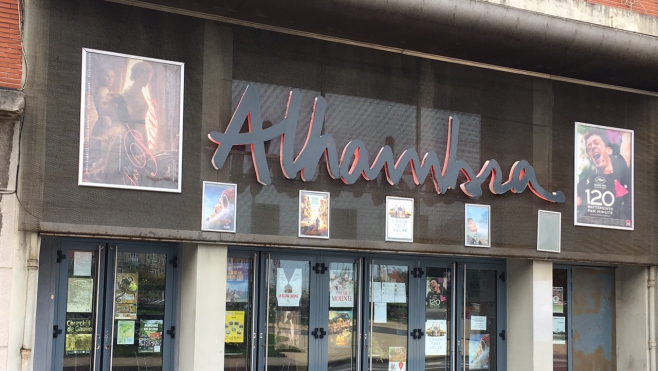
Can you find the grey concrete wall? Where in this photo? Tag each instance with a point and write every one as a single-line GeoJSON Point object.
{"type": "Point", "coordinates": [632, 318]}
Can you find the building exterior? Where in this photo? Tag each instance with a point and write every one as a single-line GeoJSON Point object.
{"type": "Point", "coordinates": [408, 185]}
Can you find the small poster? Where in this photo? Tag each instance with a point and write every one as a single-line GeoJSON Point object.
{"type": "Point", "coordinates": [558, 300]}
{"type": "Point", "coordinates": [288, 287]}
{"type": "Point", "coordinates": [603, 177]}
{"type": "Point", "coordinates": [131, 127]}
{"type": "Point", "coordinates": [80, 295]}
{"type": "Point", "coordinates": [78, 336]}
{"type": "Point", "coordinates": [126, 288]}
{"type": "Point", "coordinates": [340, 328]}
{"type": "Point", "coordinates": [234, 326]}
{"type": "Point", "coordinates": [436, 295]}
{"type": "Point", "coordinates": [341, 288]}
{"type": "Point", "coordinates": [380, 312]}
{"type": "Point", "coordinates": [125, 332]}
{"type": "Point", "coordinates": [477, 225]}
{"type": "Point", "coordinates": [399, 219]}
{"type": "Point", "coordinates": [436, 341]}
{"type": "Point", "coordinates": [478, 323]}
{"type": "Point", "coordinates": [397, 359]}
{"type": "Point", "coordinates": [218, 210]}
{"type": "Point", "coordinates": [313, 214]}
{"type": "Point", "coordinates": [559, 330]}
{"type": "Point", "coordinates": [125, 311]}
{"type": "Point", "coordinates": [150, 336]}
{"type": "Point", "coordinates": [237, 280]}
{"type": "Point", "coordinates": [82, 263]}
{"type": "Point", "coordinates": [478, 352]}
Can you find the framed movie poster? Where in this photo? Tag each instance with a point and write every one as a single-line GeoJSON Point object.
{"type": "Point", "coordinates": [477, 225]}
{"type": "Point", "coordinates": [313, 214]}
{"type": "Point", "coordinates": [131, 122]}
{"type": "Point", "coordinates": [604, 176]}
{"type": "Point", "coordinates": [218, 209]}
{"type": "Point", "coordinates": [399, 219]}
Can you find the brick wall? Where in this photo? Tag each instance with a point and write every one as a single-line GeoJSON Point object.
{"type": "Point", "coordinates": [11, 66]}
{"type": "Point", "coordinates": [649, 7]}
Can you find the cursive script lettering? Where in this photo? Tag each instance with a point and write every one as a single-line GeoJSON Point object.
{"type": "Point", "coordinates": [353, 161]}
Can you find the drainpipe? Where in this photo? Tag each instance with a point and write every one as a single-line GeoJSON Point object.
{"type": "Point", "coordinates": [652, 318]}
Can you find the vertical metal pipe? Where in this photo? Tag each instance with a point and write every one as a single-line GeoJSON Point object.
{"type": "Point", "coordinates": [651, 285]}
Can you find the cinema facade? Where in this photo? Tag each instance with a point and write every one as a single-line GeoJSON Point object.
{"type": "Point", "coordinates": [208, 192]}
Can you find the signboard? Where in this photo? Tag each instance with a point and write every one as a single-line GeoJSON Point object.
{"type": "Point", "coordinates": [131, 122]}
{"type": "Point", "coordinates": [603, 177]}
{"type": "Point", "coordinates": [353, 164]}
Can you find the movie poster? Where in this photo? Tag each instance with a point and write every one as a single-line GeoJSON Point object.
{"type": "Point", "coordinates": [340, 328]}
{"type": "Point", "coordinates": [150, 336]}
{"type": "Point", "coordinates": [477, 225]}
{"type": "Point", "coordinates": [218, 210]}
{"type": "Point", "coordinates": [288, 287]}
{"type": "Point", "coordinates": [237, 280]}
{"type": "Point", "coordinates": [559, 330]}
{"type": "Point", "coordinates": [478, 352]}
{"type": "Point", "coordinates": [126, 296]}
{"type": "Point", "coordinates": [341, 288]}
{"type": "Point", "coordinates": [436, 341]}
{"type": "Point", "coordinates": [558, 300]}
{"type": "Point", "coordinates": [399, 219]}
{"type": "Point", "coordinates": [397, 359]}
{"type": "Point", "coordinates": [78, 336]}
{"type": "Point", "coordinates": [234, 326]}
{"type": "Point", "coordinates": [313, 214]}
{"type": "Point", "coordinates": [603, 184]}
{"type": "Point", "coordinates": [131, 122]}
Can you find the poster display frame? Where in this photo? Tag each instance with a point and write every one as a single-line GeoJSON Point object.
{"type": "Point", "coordinates": [87, 101]}
{"type": "Point", "coordinates": [300, 222]}
{"type": "Point", "coordinates": [580, 152]}
{"type": "Point", "coordinates": [469, 210]}
{"type": "Point", "coordinates": [390, 210]}
{"type": "Point", "coordinates": [227, 197]}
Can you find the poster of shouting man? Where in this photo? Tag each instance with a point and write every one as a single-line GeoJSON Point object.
{"type": "Point", "coordinates": [603, 177]}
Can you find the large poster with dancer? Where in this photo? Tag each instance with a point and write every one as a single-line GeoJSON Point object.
{"type": "Point", "coordinates": [603, 181]}
{"type": "Point", "coordinates": [131, 122]}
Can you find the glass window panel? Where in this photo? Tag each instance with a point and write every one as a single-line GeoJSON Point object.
{"type": "Point", "coordinates": [437, 319]}
{"type": "Point", "coordinates": [288, 315]}
{"type": "Point", "coordinates": [238, 315]}
{"type": "Point", "coordinates": [139, 310]}
{"type": "Point", "coordinates": [480, 336]}
{"type": "Point", "coordinates": [389, 316]}
{"type": "Point", "coordinates": [80, 310]}
{"type": "Point", "coordinates": [343, 286]}
{"type": "Point", "coordinates": [560, 325]}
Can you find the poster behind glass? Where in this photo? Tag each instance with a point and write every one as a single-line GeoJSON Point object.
{"type": "Point", "coordinates": [218, 207]}
{"type": "Point", "coordinates": [313, 214]}
{"type": "Point", "coordinates": [131, 122]}
{"type": "Point", "coordinates": [399, 219]}
{"type": "Point", "coordinates": [477, 224]}
{"type": "Point", "coordinates": [603, 183]}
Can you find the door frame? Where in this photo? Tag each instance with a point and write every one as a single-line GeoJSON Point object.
{"type": "Point", "coordinates": [104, 304]}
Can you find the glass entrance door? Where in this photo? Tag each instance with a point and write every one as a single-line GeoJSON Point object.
{"type": "Point", "coordinates": [340, 312]}
{"type": "Point", "coordinates": [481, 329]}
{"type": "Point", "coordinates": [114, 308]}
